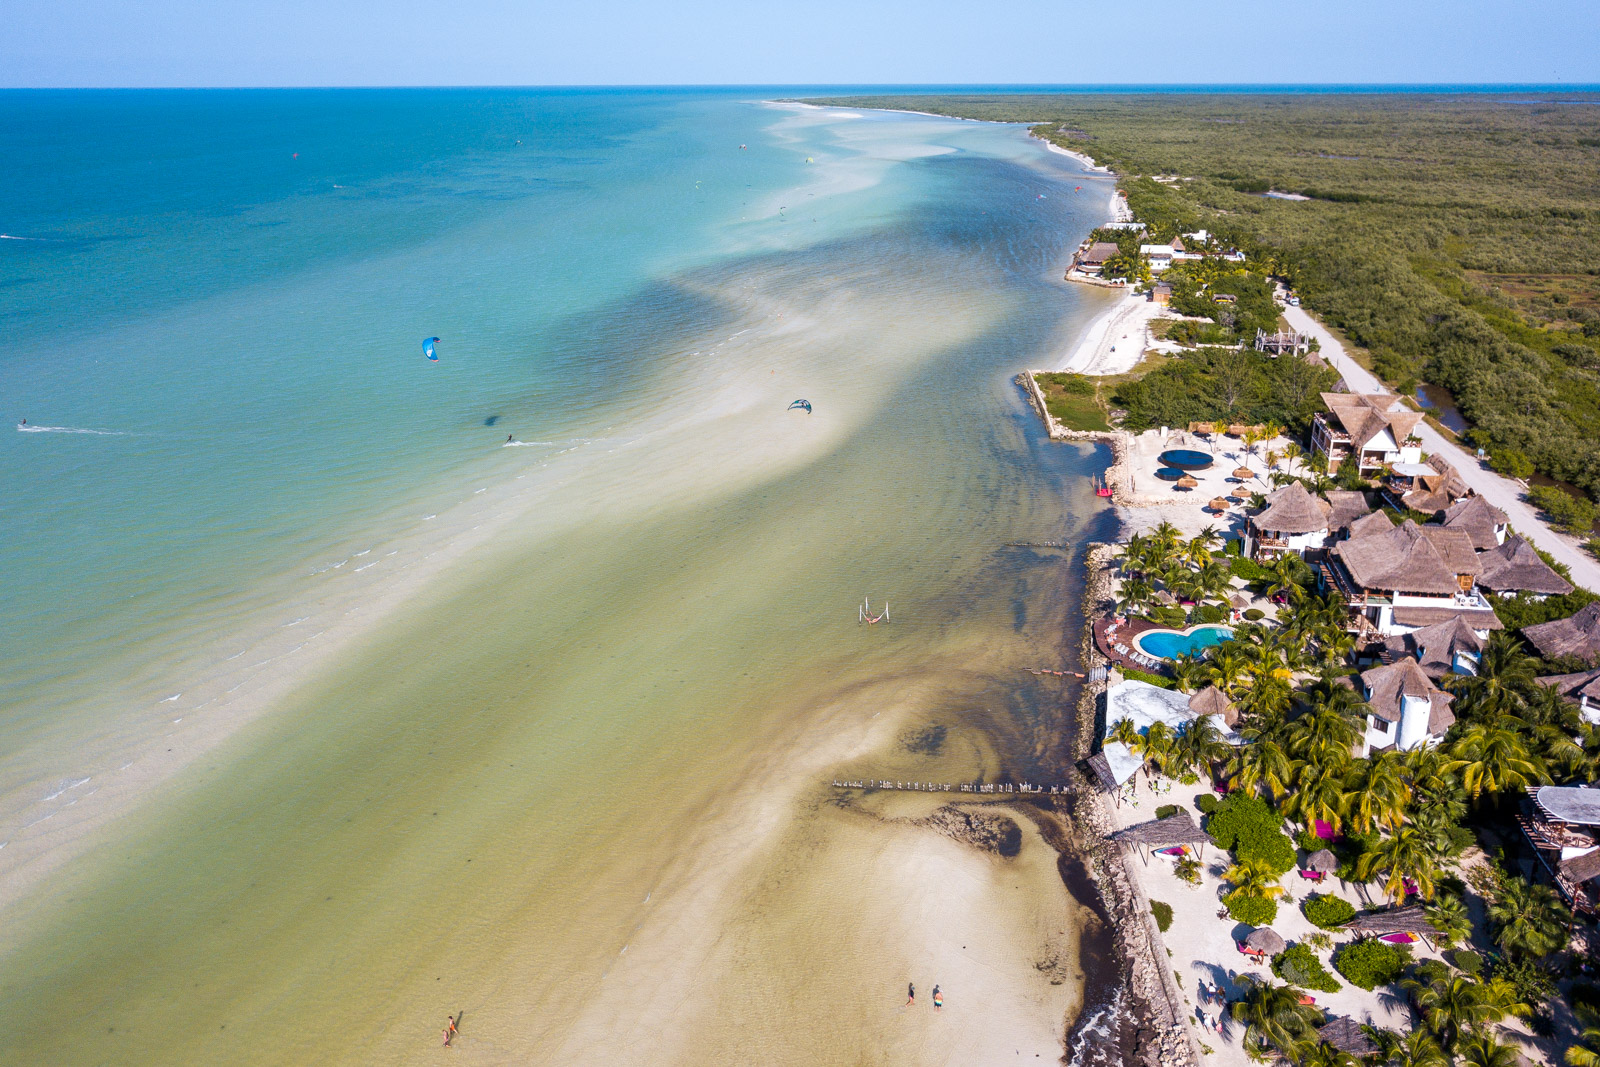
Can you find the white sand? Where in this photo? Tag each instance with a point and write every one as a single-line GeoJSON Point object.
{"type": "Point", "coordinates": [1203, 946]}
{"type": "Point", "coordinates": [1116, 340]}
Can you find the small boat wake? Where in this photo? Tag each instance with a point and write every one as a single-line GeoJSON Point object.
{"type": "Point", "coordinates": [23, 427]}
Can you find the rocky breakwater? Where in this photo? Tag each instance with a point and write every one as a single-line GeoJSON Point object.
{"type": "Point", "coordinates": [1152, 1023]}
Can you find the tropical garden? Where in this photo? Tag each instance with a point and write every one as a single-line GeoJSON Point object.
{"type": "Point", "coordinates": [1404, 824]}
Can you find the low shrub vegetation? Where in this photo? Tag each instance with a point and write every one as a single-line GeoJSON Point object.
{"type": "Point", "coordinates": [1252, 831]}
{"type": "Point", "coordinates": [1371, 963]}
{"type": "Point", "coordinates": [1163, 913]}
{"type": "Point", "coordinates": [1327, 912]}
{"type": "Point", "coordinates": [1252, 911]}
{"type": "Point", "coordinates": [1298, 965]}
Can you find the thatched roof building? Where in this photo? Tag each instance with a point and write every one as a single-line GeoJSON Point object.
{"type": "Point", "coordinates": [1412, 919]}
{"type": "Point", "coordinates": [1388, 687]}
{"type": "Point", "coordinates": [1346, 1035]}
{"type": "Point", "coordinates": [1479, 519]}
{"type": "Point", "coordinates": [1292, 510]}
{"type": "Point", "coordinates": [1577, 635]}
{"type": "Point", "coordinates": [1437, 647]}
{"type": "Point", "coordinates": [1515, 567]}
{"type": "Point", "coordinates": [1213, 701]}
{"type": "Point", "coordinates": [1179, 829]}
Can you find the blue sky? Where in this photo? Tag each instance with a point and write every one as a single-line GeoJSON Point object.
{"type": "Point", "coordinates": [663, 42]}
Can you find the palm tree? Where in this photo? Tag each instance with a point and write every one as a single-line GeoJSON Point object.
{"type": "Point", "coordinates": [1403, 854]}
{"type": "Point", "coordinates": [1418, 1048]}
{"type": "Point", "coordinates": [1494, 759]}
{"type": "Point", "coordinates": [1448, 915]}
{"type": "Point", "coordinates": [1124, 731]}
{"type": "Point", "coordinates": [1325, 1055]}
{"type": "Point", "coordinates": [1262, 768]}
{"type": "Point", "coordinates": [1157, 747]}
{"type": "Point", "coordinates": [1201, 744]}
{"type": "Point", "coordinates": [1190, 672]}
{"type": "Point", "coordinates": [1378, 792]}
{"type": "Point", "coordinates": [1291, 455]}
{"type": "Point", "coordinates": [1530, 919]}
{"type": "Point", "coordinates": [1284, 575]}
{"type": "Point", "coordinates": [1318, 793]}
{"type": "Point", "coordinates": [1326, 732]}
{"type": "Point", "coordinates": [1254, 877]}
{"type": "Point", "coordinates": [1483, 1050]}
{"type": "Point", "coordinates": [1504, 673]}
{"type": "Point", "coordinates": [1226, 668]}
{"type": "Point", "coordinates": [1274, 1018]}
{"type": "Point", "coordinates": [1136, 593]}
{"type": "Point", "coordinates": [1587, 1053]}
{"type": "Point", "coordinates": [1449, 1006]}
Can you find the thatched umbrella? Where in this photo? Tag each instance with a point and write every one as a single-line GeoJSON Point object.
{"type": "Point", "coordinates": [1241, 493]}
{"type": "Point", "coordinates": [1220, 503]}
{"type": "Point", "coordinates": [1322, 861]}
{"type": "Point", "coordinates": [1265, 940]}
{"type": "Point", "coordinates": [1188, 481]}
{"type": "Point", "coordinates": [1243, 473]}
{"type": "Point", "coordinates": [1239, 601]}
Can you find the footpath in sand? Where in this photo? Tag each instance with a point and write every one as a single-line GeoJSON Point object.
{"type": "Point", "coordinates": [1503, 493]}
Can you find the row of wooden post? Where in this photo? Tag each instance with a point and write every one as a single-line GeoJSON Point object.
{"type": "Point", "coordinates": [959, 787]}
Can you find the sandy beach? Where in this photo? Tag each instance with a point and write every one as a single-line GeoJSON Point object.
{"type": "Point", "coordinates": [1116, 340]}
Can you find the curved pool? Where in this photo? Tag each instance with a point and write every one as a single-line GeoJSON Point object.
{"type": "Point", "coordinates": [1170, 644]}
{"type": "Point", "coordinates": [1185, 459]}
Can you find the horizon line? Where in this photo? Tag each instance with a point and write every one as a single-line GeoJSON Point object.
{"type": "Point", "coordinates": [924, 87]}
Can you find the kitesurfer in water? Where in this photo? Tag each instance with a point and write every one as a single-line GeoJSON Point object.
{"type": "Point", "coordinates": [509, 439]}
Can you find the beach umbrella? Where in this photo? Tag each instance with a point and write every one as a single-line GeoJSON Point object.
{"type": "Point", "coordinates": [1265, 940]}
{"type": "Point", "coordinates": [1240, 493]}
{"type": "Point", "coordinates": [1321, 861]}
{"type": "Point", "coordinates": [1239, 601]}
{"type": "Point", "coordinates": [1220, 503]}
{"type": "Point", "coordinates": [1187, 482]}
{"type": "Point", "coordinates": [1243, 473]}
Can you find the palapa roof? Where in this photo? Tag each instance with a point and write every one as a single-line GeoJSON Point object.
{"type": "Point", "coordinates": [1188, 481]}
{"type": "Point", "coordinates": [1455, 548]}
{"type": "Point", "coordinates": [1348, 505]}
{"type": "Point", "coordinates": [1364, 416]}
{"type": "Point", "coordinates": [1574, 687]}
{"type": "Point", "coordinates": [1478, 518]}
{"type": "Point", "coordinates": [1435, 647]}
{"type": "Point", "coordinates": [1239, 600]}
{"type": "Point", "coordinates": [1322, 860]}
{"type": "Point", "coordinates": [1387, 685]}
{"type": "Point", "coordinates": [1575, 804]}
{"type": "Point", "coordinates": [1179, 829]}
{"type": "Point", "coordinates": [1212, 701]}
{"type": "Point", "coordinates": [1220, 503]}
{"type": "Point", "coordinates": [1373, 523]}
{"type": "Point", "coordinates": [1582, 868]}
{"type": "Point", "coordinates": [1266, 940]}
{"type": "Point", "coordinates": [1412, 919]}
{"type": "Point", "coordinates": [1114, 764]}
{"type": "Point", "coordinates": [1478, 618]}
{"type": "Point", "coordinates": [1292, 510]}
{"type": "Point", "coordinates": [1515, 567]}
{"type": "Point", "coordinates": [1403, 559]}
{"type": "Point", "coordinates": [1437, 491]}
{"type": "Point", "coordinates": [1346, 1035]}
{"type": "Point", "coordinates": [1099, 252]}
{"type": "Point", "coordinates": [1577, 635]}
{"type": "Point", "coordinates": [1243, 472]}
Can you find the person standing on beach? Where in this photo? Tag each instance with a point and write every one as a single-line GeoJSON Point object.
{"type": "Point", "coordinates": [449, 1029]}
{"type": "Point", "coordinates": [911, 994]}
{"type": "Point", "coordinates": [938, 999]}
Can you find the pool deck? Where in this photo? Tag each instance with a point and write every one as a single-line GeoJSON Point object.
{"type": "Point", "coordinates": [1107, 637]}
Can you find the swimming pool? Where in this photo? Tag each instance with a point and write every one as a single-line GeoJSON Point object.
{"type": "Point", "coordinates": [1169, 644]}
{"type": "Point", "coordinates": [1185, 459]}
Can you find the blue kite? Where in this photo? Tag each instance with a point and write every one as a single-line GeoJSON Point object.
{"type": "Point", "coordinates": [427, 348]}
{"type": "Point", "coordinates": [801, 404]}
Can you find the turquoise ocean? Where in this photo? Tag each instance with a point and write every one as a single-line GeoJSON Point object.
{"type": "Point", "coordinates": [295, 623]}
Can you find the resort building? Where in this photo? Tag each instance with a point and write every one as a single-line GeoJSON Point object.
{"type": "Point", "coordinates": [1449, 647]}
{"type": "Point", "coordinates": [1348, 506]}
{"type": "Point", "coordinates": [1581, 689]}
{"type": "Point", "coordinates": [1362, 426]}
{"type": "Point", "coordinates": [1093, 259]}
{"type": "Point", "coordinates": [1430, 487]}
{"type": "Point", "coordinates": [1563, 826]}
{"type": "Point", "coordinates": [1282, 341]}
{"type": "Point", "coordinates": [1515, 567]}
{"type": "Point", "coordinates": [1483, 522]}
{"type": "Point", "coordinates": [1161, 293]}
{"type": "Point", "coordinates": [1407, 709]}
{"type": "Point", "coordinates": [1407, 577]}
{"type": "Point", "coordinates": [1578, 635]}
{"type": "Point", "coordinates": [1292, 521]}
{"type": "Point", "coordinates": [1145, 705]}
{"type": "Point", "coordinates": [1158, 256]}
